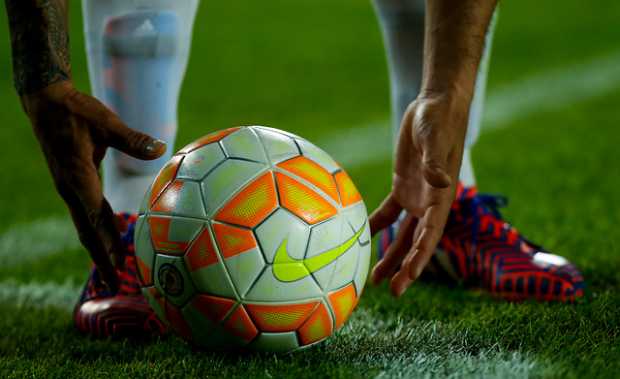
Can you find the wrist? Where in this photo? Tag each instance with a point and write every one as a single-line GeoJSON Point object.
{"type": "Point", "coordinates": [55, 93]}
{"type": "Point", "coordinates": [454, 100]}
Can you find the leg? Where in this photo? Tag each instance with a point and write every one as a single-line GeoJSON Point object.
{"type": "Point", "coordinates": [138, 52]}
{"type": "Point", "coordinates": [402, 24]}
{"type": "Point", "coordinates": [476, 109]}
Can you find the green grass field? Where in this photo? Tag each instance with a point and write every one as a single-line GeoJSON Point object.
{"type": "Point", "coordinates": [317, 68]}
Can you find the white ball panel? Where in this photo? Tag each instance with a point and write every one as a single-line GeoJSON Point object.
{"type": "Point", "coordinates": [346, 266]}
{"type": "Point", "coordinates": [187, 202]}
{"type": "Point", "coordinates": [312, 152]}
{"type": "Point", "coordinates": [205, 332]}
{"type": "Point", "coordinates": [186, 287]}
{"type": "Point", "coordinates": [154, 304]}
{"type": "Point", "coordinates": [244, 144]}
{"type": "Point", "coordinates": [279, 146]}
{"type": "Point", "coordinates": [323, 277]}
{"type": "Point", "coordinates": [143, 245]}
{"type": "Point", "coordinates": [244, 268]}
{"type": "Point", "coordinates": [363, 266]}
{"type": "Point", "coordinates": [182, 229]}
{"type": "Point", "coordinates": [270, 289]}
{"type": "Point", "coordinates": [279, 131]}
{"type": "Point", "coordinates": [276, 342]}
{"type": "Point", "coordinates": [356, 216]}
{"type": "Point", "coordinates": [144, 204]}
{"type": "Point", "coordinates": [279, 226]}
{"type": "Point", "coordinates": [197, 164]}
{"type": "Point", "coordinates": [326, 236]}
{"type": "Point", "coordinates": [212, 280]}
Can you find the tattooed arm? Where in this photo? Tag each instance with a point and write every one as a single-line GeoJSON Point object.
{"type": "Point", "coordinates": [40, 41]}
{"type": "Point", "coordinates": [73, 129]}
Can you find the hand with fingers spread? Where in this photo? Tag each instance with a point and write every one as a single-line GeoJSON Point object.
{"type": "Point", "coordinates": [431, 140]}
{"type": "Point", "coordinates": [428, 158]}
{"type": "Point", "coordinates": [74, 131]}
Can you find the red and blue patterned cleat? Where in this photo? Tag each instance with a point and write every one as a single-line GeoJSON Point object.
{"type": "Point", "coordinates": [480, 250]}
{"type": "Point", "coordinates": [101, 314]}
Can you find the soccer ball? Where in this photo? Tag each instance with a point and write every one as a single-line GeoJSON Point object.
{"type": "Point", "coordinates": [253, 237]}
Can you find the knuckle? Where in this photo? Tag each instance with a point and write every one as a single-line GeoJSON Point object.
{"type": "Point", "coordinates": [106, 117]}
{"type": "Point", "coordinates": [73, 96]}
{"type": "Point", "coordinates": [133, 139]}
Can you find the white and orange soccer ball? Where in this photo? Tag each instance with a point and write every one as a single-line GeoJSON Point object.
{"type": "Point", "coordinates": [253, 237]}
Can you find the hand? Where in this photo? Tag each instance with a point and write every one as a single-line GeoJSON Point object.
{"type": "Point", "coordinates": [74, 131]}
{"type": "Point", "coordinates": [428, 160]}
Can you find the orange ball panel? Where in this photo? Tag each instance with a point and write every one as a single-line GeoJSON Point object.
{"type": "Point", "coordinates": [145, 272]}
{"type": "Point", "coordinates": [212, 307]}
{"type": "Point", "coordinates": [165, 177]}
{"type": "Point", "coordinates": [302, 201]}
{"type": "Point", "coordinates": [201, 253]}
{"type": "Point", "coordinates": [160, 231]}
{"type": "Point", "coordinates": [252, 205]}
{"type": "Point", "coordinates": [177, 322]}
{"type": "Point", "coordinates": [168, 198]}
{"type": "Point", "coordinates": [313, 173]}
{"type": "Point", "coordinates": [157, 296]}
{"type": "Point", "coordinates": [280, 318]}
{"type": "Point", "coordinates": [318, 326]}
{"type": "Point", "coordinates": [348, 192]}
{"type": "Point", "coordinates": [240, 324]}
{"type": "Point", "coordinates": [232, 240]}
{"type": "Point", "coordinates": [343, 301]}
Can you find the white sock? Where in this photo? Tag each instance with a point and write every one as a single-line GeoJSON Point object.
{"type": "Point", "coordinates": [476, 109]}
{"type": "Point", "coordinates": [402, 24]}
{"type": "Point", "coordinates": [138, 52]}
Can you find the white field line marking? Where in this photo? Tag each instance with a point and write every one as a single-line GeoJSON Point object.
{"type": "Point", "coordinates": [462, 365]}
{"type": "Point", "coordinates": [356, 147]}
{"type": "Point", "coordinates": [409, 348]}
{"type": "Point", "coordinates": [39, 294]}
{"type": "Point", "coordinates": [370, 144]}
{"type": "Point", "coordinates": [548, 90]}
{"type": "Point", "coordinates": [26, 242]}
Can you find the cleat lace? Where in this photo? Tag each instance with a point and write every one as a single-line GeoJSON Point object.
{"type": "Point", "coordinates": [488, 219]}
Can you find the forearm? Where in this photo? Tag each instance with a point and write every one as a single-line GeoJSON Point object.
{"type": "Point", "coordinates": [454, 42]}
{"type": "Point", "coordinates": [40, 43]}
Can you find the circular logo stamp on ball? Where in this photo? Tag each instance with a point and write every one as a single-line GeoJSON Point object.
{"type": "Point", "coordinates": [171, 280]}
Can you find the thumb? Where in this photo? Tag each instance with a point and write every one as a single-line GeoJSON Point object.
{"type": "Point", "coordinates": [435, 162]}
{"type": "Point", "coordinates": [133, 142]}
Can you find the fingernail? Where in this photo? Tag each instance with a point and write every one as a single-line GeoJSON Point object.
{"type": "Point", "coordinates": [398, 292]}
{"type": "Point", "coordinates": [374, 277]}
{"type": "Point", "coordinates": [414, 272]}
{"type": "Point", "coordinates": [154, 145]}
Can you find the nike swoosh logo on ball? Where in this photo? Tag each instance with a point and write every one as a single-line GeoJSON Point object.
{"type": "Point", "coordinates": [287, 269]}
